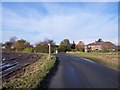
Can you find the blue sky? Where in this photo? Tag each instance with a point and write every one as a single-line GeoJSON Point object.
{"type": "Point", "coordinates": [78, 21]}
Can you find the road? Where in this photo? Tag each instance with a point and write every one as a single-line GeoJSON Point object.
{"type": "Point", "coordinates": [76, 72]}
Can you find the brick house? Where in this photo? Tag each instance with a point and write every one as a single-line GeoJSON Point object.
{"type": "Point", "coordinates": [100, 46]}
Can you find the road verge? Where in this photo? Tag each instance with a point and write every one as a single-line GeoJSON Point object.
{"type": "Point", "coordinates": [107, 59]}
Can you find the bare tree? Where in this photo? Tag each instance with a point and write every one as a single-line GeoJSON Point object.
{"type": "Point", "coordinates": [13, 39]}
{"type": "Point", "coordinates": [80, 46]}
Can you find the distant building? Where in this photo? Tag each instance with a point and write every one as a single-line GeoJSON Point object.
{"type": "Point", "coordinates": [118, 48]}
{"type": "Point", "coordinates": [100, 46]}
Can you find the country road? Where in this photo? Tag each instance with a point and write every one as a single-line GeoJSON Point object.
{"type": "Point", "coordinates": [76, 72]}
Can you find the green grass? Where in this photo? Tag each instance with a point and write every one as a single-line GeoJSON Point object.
{"type": "Point", "coordinates": [100, 58]}
{"type": "Point", "coordinates": [32, 75]}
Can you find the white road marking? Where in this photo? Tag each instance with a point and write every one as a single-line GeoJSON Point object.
{"type": "Point", "coordinates": [89, 60]}
{"type": "Point", "coordinates": [84, 59]}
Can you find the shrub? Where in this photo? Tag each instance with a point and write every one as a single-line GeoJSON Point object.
{"type": "Point", "coordinates": [28, 50]}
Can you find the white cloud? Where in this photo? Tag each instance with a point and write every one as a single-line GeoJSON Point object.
{"type": "Point", "coordinates": [76, 25]}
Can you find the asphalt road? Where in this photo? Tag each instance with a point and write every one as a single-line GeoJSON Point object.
{"type": "Point", "coordinates": [75, 72]}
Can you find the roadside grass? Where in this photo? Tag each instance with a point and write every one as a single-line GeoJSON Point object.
{"type": "Point", "coordinates": [32, 75]}
{"type": "Point", "coordinates": [109, 59]}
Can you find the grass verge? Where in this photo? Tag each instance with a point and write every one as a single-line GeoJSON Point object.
{"type": "Point", "coordinates": [32, 75]}
{"type": "Point", "coordinates": [107, 59]}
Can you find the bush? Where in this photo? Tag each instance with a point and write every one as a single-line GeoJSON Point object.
{"type": "Point", "coordinates": [42, 48]}
{"type": "Point", "coordinates": [28, 50]}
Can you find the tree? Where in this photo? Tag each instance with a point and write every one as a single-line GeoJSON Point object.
{"type": "Point", "coordinates": [27, 44]}
{"type": "Point", "coordinates": [13, 39]}
{"type": "Point", "coordinates": [80, 46]}
{"type": "Point", "coordinates": [8, 45]}
{"type": "Point", "coordinates": [1, 45]}
{"type": "Point", "coordinates": [43, 46]}
{"type": "Point", "coordinates": [52, 43]}
{"type": "Point", "coordinates": [19, 45]}
{"type": "Point", "coordinates": [28, 50]}
{"type": "Point", "coordinates": [100, 40]}
{"type": "Point", "coordinates": [73, 45]}
{"type": "Point", "coordinates": [65, 45]}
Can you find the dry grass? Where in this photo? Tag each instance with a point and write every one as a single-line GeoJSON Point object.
{"type": "Point", "coordinates": [109, 59]}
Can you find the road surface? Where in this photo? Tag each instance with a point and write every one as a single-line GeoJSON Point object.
{"type": "Point", "coordinates": [76, 72]}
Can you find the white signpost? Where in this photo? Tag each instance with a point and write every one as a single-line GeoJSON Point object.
{"type": "Point", "coordinates": [49, 50]}
{"type": "Point", "coordinates": [56, 51]}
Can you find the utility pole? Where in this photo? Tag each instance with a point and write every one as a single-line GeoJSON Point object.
{"type": "Point", "coordinates": [49, 50]}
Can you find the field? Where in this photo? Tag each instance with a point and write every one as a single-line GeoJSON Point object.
{"type": "Point", "coordinates": [12, 62]}
{"type": "Point", "coordinates": [109, 59]}
{"type": "Point", "coordinates": [24, 70]}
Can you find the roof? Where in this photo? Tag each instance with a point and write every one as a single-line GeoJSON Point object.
{"type": "Point", "coordinates": [101, 43]}
{"type": "Point", "coordinates": [95, 43]}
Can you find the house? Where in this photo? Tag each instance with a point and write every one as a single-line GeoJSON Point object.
{"type": "Point", "coordinates": [118, 48]}
{"type": "Point", "coordinates": [100, 46]}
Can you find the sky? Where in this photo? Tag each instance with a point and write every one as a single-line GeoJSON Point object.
{"type": "Point", "coordinates": [60, 0]}
{"type": "Point", "coordinates": [76, 21]}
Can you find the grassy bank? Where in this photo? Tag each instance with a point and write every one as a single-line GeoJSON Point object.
{"type": "Point", "coordinates": [108, 59]}
{"type": "Point", "coordinates": [32, 75]}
